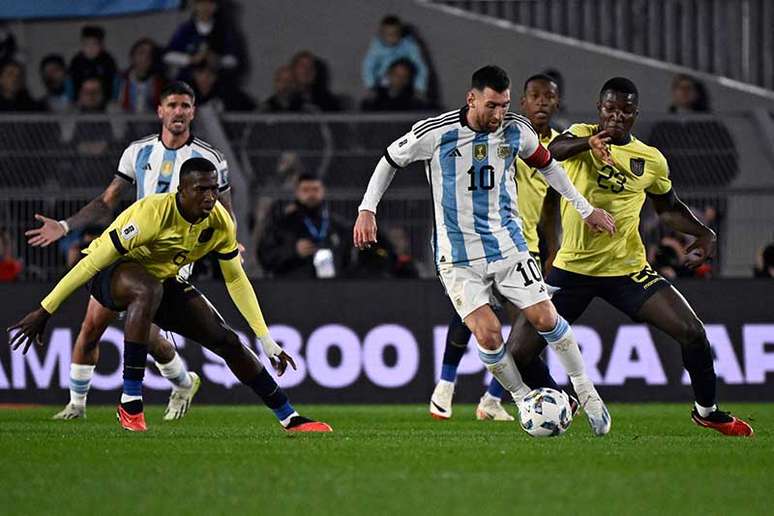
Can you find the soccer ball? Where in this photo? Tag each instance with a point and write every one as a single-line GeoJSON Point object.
{"type": "Point", "coordinates": [545, 413]}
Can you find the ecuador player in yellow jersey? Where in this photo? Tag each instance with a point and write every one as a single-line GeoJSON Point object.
{"type": "Point", "coordinates": [133, 267]}
{"type": "Point", "coordinates": [539, 102]}
{"type": "Point", "coordinates": [617, 172]}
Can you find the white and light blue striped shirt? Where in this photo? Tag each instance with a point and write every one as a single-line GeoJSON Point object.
{"type": "Point", "coordinates": [154, 168]}
{"type": "Point", "coordinates": [472, 183]}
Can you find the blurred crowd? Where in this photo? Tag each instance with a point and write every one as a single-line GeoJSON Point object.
{"type": "Point", "coordinates": [206, 51]}
{"type": "Point", "coordinates": [302, 238]}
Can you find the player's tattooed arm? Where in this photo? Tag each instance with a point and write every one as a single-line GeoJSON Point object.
{"type": "Point", "coordinates": [550, 225]}
{"type": "Point", "coordinates": [565, 146]}
{"type": "Point", "coordinates": [674, 213]}
{"type": "Point", "coordinates": [101, 207]}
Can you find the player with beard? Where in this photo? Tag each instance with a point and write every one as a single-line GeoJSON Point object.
{"type": "Point", "coordinates": [152, 165]}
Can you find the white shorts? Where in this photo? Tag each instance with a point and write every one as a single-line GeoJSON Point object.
{"type": "Point", "coordinates": [516, 278]}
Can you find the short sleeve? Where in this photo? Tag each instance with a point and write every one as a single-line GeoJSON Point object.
{"type": "Point", "coordinates": [133, 228]}
{"type": "Point", "coordinates": [580, 130]}
{"type": "Point", "coordinates": [661, 183]}
{"type": "Point", "coordinates": [226, 247]}
{"type": "Point", "coordinates": [409, 148]}
{"type": "Point", "coordinates": [224, 182]}
{"type": "Point", "coordinates": [126, 165]}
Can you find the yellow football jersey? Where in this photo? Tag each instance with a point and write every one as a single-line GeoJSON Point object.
{"type": "Point", "coordinates": [153, 233]}
{"type": "Point", "coordinates": [532, 189]}
{"type": "Point", "coordinates": [619, 189]}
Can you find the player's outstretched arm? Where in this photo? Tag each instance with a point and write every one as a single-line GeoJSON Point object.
{"type": "Point", "coordinates": [51, 230]}
{"type": "Point", "coordinates": [674, 213]}
{"type": "Point", "coordinates": [364, 232]}
{"type": "Point", "coordinates": [243, 296]}
{"type": "Point", "coordinates": [565, 146]}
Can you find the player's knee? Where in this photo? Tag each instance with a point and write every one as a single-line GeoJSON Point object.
{"type": "Point", "coordinates": [693, 334]}
{"type": "Point", "coordinates": [489, 336]}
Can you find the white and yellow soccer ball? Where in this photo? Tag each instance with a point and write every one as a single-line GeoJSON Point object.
{"type": "Point", "coordinates": [545, 412]}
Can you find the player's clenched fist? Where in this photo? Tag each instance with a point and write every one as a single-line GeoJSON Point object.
{"type": "Point", "coordinates": [364, 233]}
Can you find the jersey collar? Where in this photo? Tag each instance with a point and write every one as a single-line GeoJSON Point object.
{"type": "Point", "coordinates": [189, 141]}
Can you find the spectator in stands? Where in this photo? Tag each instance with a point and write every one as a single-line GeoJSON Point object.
{"type": "Point", "coordinates": [141, 83]}
{"type": "Point", "coordinates": [13, 90]}
{"type": "Point", "coordinates": [205, 38]}
{"type": "Point", "coordinates": [306, 241]}
{"type": "Point", "coordinates": [59, 88]}
{"type": "Point", "coordinates": [398, 94]}
{"type": "Point", "coordinates": [404, 266]}
{"type": "Point", "coordinates": [689, 95]}
{"type": "Point", "coordinates": [10, 267]}
{"type": "Point", "coordinates": [311, 77]}
{"type": "Point", "coordinates": [764, 262]}
{"type": "Point", "coordinates": [220, 95]}
{"type": "Point", "coordinates": [91, 97]}
{"type": "Point", "coordinates": [9, 50]}
{"type": "Point", "coordinates": [285, 97]}
{"type": "Point", "coordinates": [93, 61]}
{"type": "Point", "coordinates": [392, 43]}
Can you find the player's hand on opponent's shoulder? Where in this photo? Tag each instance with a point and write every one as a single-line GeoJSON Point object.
{"type": "Point", "coordinates": [364, 232]}
{"type": "Point", "coordinates": [600, 147]}
{"type": "Point", "coordinates": [701, 249]}
{"type": "Point", "coordinates": [599, 220]}
{"type": "Point", "coordinates": [30, 328]}
{"type": "Point", "coordinates": [47, 234]}
{"type": "Point", "coordinates": [279, 358]}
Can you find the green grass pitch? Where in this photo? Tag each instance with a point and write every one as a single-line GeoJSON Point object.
{"type": "Point", "coordinates": [381, 460]}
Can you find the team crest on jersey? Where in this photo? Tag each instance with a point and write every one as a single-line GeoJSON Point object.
{"type": "Point", "coordinates": [130, 231]}
{"type": "Point", "coordinates": [503, 151]}
{"type": "Point", "coordinates": [480, 151]}
{"type": "Point", "coordinates": [206, 235]}
{"type": "Point", "coordinates": [166, 168]}
{"type": "Point", "coordinates": [637, 166]}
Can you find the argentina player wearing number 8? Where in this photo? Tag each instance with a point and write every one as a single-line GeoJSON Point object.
{"type": "Point", "coordinates": [478, 240]}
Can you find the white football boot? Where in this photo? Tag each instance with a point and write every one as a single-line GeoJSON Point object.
{"type": "Point", "coordinates": [180, 399]}
{"type": "Point", "coordinates": [491, 409]}
{"type": "Point", "coordinates": [71, 411]}
{"type": "Point", "coordinates": [441, 400]}
{"type": "Point", "coordinates": [596, 411]}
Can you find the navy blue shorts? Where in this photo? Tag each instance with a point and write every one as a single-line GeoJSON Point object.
{"type": "Point", "coordinates": [574, 292]}
{"type": "Point", "coordinates": [172, 308]}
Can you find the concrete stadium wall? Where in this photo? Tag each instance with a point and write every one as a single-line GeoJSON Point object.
{"type": "Point", "coordinates": [340, 32]}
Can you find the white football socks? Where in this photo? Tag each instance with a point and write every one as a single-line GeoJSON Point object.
{"type": "Point", "coordinates": [176, 372]}
{"type": "Point", "coordinates": [500, 363]}
{"type": "Point", "coordinates": [562, 341]}
{"type": "Point", "coordinates": [705, 411]}
{"type": "Point", "coordinates": [80, 382]}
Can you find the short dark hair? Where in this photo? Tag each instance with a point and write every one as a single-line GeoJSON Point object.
{"type": "Point", "coordinates": [404, 61]}
{"type": "Point", "coordinates": [307, 176]}
{"type": "Point", "coordinates": [177, 88]}
{"type": "Point", "coordinates": [541, 77]}
{"type": "Point", "coordinates": [192, 165]}
{"type": "Point", "coordinates": [52, 58]}
{"type": "Point", "coordinates": [620, 85]}
{"type": "Point", "coordinates": [391, 19]}
{"type": "Point", "coordinates": [490, 76]}
{"type": "Point", "coordinates": [93, 31]}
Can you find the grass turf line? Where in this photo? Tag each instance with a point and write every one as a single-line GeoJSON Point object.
{"type": "Point", "coordinates": [381, 460]}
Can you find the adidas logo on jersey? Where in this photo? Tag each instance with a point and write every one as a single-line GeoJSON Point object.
{"type": "Point", "coordinates": [455, 153]}
{"type": "Point", "coordinates": [147, 166]}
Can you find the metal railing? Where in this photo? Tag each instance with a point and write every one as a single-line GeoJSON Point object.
{"type": "Point", "coordinates": [54, 165]}
{"type": "Point", "coordinates": [730, 38]}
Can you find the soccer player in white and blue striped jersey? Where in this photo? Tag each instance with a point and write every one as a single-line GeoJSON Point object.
{"type": "Point", "coordinates": [152, 165]}
{"type": "Point", "coordinates": [478, 241]}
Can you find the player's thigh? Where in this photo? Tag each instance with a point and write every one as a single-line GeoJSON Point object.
{"type": "Point", "coordinates": [632, 292]}
{"type": "Point", "coordinates": [468, 287]}
{"type": "Point", "coordinates": [670, 312]}
{"type": "Point", "coordinates": [124, 283]}
{"type": "Point", "coordinates": [571, 293]}
{"type": "Point", "coordinates": [185, 310]}
{"type": "Point", "coordinates": [519, 281]}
